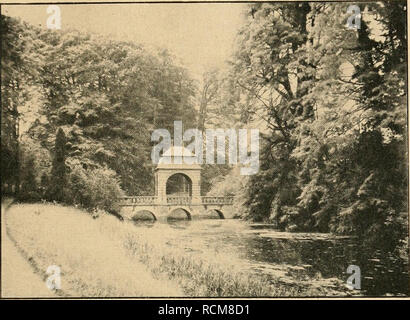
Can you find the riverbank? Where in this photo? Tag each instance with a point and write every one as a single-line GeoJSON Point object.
{"type": "Point", "coordinates": [19, 279]}
{"type": "Point", "coordinates": [92, 263]}
{"type": "Point", "coordinates": [109, 258]}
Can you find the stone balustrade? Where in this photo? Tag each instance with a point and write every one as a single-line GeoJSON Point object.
{"type": "Point", "coordinates": [174, 200]}
{"type": "Point", "coordinates": [217, 200]}
{"type": "Point", "coordinates": [140, 200]}
{"type": "Point", "coordinates": [179, 200]}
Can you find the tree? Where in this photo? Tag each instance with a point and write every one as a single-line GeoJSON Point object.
{"type": "Point", "coordinates": [12, 61]}
{"type": "Point", "coordinates": [333, 102]}
{"type": "Point", "coordinates": [20, 61]}
{"type": "Point", "coordinates": [109, 99]}
{"type": "Point", "coordinates": [29, 187]}
{"type": "Point", "coordinates": [265, 68]}
{"type": "Point", "coordinates": [208, 95]}
{"type": "Point", "coordinates": [59, 170]}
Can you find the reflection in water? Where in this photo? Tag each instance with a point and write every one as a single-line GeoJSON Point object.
{"type": "Point", "coordinates": [179, 224]}
{"type": "Point", "coordinates": [143, 215]}
{"type": "Point", "coordinates": [211, 214]}
{"type": "Point", "coordinates": [178, 215]}
{"type": "Point", "coordinates": [292, 256]}
{"type": "Point", "coordinates": [144, 223]}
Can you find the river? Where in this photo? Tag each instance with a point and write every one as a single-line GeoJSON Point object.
{"type": "Point", "coordinates": [292, 257]}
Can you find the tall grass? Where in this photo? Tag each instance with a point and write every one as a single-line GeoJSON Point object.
{"type": "Point", "coordinates": [92, 263]}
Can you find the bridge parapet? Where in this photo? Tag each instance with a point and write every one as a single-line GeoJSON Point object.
{"type": "Point", "coordinates": [175, 200]}
{"type": "Point", "coordinates": [217, 200]}
{"type": "Point", "coordinates": [140, 200]}
{"type": "Point", "coordinates": [178, 200]}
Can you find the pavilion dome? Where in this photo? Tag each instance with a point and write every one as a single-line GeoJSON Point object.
{"type": "Point", "coordinates": [167, 160]}
{"type": "Point", "coordinates": [177, 151]}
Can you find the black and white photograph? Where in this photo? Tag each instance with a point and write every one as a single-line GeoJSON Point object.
{"type": "Point", "coordinates": [183, 150]}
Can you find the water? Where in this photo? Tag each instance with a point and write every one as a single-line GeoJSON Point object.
{"type": "Point", "coordinates": [294, 258]}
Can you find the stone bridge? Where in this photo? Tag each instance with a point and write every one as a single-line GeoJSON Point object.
{"type": "Point", "coordinates": [173, 206]}
{"type": "Point", "coordinates": [177, 190]}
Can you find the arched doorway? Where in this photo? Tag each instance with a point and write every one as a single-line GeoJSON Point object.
{"type": "Point", "coordinates": [179, 185]}
{"type": "Point", "coordinates": [179, 214]}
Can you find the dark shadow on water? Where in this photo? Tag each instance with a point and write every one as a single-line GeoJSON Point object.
{"type": "Point", "coordinates": [178, 223]}
{"type": "Point", "coordinates": [382, 272]}
{"type": "Point", "coordinates": [262, 226]}
{"type": "Point", "coordinates": [144, 215]}
{"type": "Point", "coordinates": [144, 223]}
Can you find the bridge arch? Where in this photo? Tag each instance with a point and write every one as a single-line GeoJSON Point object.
{"type": "Point", "coordinates": [179, 214]}
{"type": "Point", "coordinates": [143, 215]}
{"type": "Point", "coordinates": [212, 213]}
{"type": "Point", "coordinates": [179, 184]}
{"type": "Point", "coordinates": [219, 213]}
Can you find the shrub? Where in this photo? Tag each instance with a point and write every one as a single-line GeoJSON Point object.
{"type": "Point", "coordinates": [28, 190]}
{"type": "Point", "coordinates": [35, 163]}
{"type": "Point", "coordinates": [232, 184]}
{"type": "Point", "coordinates": [29, 196]}
{"type": "Point", "coordinates": [94, 189]}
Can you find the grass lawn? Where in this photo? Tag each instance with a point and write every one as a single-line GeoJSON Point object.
{"type": "Point", "coordinates": [92, 263]}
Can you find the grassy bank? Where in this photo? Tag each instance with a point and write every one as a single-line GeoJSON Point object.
{"type": "Point", "coordinates": [17, 277]}
{"type": "Point", "coordinates": [92, 263]}
{"type": "Point", "coordinates": [107, 257]}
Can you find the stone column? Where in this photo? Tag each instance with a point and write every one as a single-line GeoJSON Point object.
{"type": "Point", "coordinates": [162, 187]}
{"type": "Point", "coordinates": [196, 187]}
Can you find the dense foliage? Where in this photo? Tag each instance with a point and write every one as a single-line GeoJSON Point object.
{"type": "Point", "coordinates": [333, 100]}
{"type": "Point", "coordinates": [104, 96]}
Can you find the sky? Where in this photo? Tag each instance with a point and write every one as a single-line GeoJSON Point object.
{"type": "Point", "coordinates": [200, 35]}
